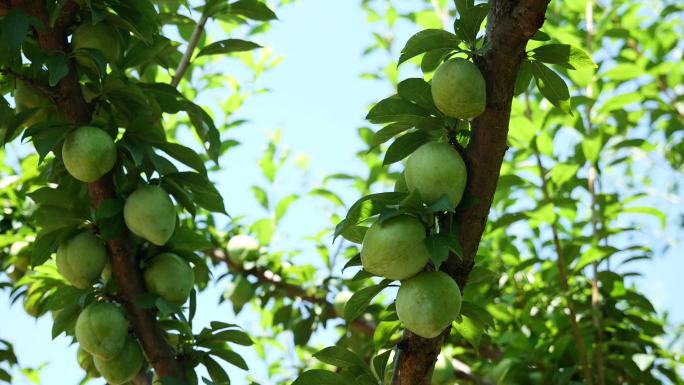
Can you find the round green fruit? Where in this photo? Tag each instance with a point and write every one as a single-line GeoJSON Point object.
{"type": "Point", "coordinates": [27, 98]}
{"type": "Point", "coordinates": [33, 301]}
{"type": "Point", "coordinates": [124, 366]}
{"type": "Point", "coordinates": [243, 248]}
{"type": "Point", "coordinates": [428, 303]}
{"type": "Point", "coordinates": [101, 37]}
{"type": "Point", "coordinates": [458, 89]}
{"type": "Point", "coordinates": [240, 292]}
{"type": "Point", "coordinates": [395, 248]}
{"type": "Point", "coordinates": [149, 213]}
{"type": "Point", "coordinates": [341, 301]}
{"type": "Point", "coordinates": [88, 153]}
{"type": "Point", "coordinates": [85, 361]}
{"type": "Point", "coordinates": [101, 329]}
{"type": "Point", "coordinates": [80, 259]}
{"type": "Point", "coordinates": [436, 169]}
{"type": "Point", "coordinates": [170, 277]}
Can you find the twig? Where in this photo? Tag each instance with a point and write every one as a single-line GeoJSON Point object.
{"type": "Point", "coordinates": [32, 83]}
{"type": "Point", "coordinates": [189, 50]}
{"type": "Point", "coordinates": [591, 181]}
{"type": "Point", "coordinates": [293, 291]}
{"type": "Point", "coordinates": [562, 270]}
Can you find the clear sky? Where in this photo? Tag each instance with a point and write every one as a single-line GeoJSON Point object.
{"type": "Point", "coordinates": [318, 100]}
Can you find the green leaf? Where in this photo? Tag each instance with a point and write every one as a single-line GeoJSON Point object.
{"type": "Point", "coordinates": [470, 330]}
{"type": "Point", "coordinates": [231, 357]}
{"type": "Point", "coordinates": [216, 372]}
{"type": "Point", "coordinates": [339, 357]}
{"type": "Point", "coordinates": [594, 254]}
{"type": "Point", "coordinates": [418, 91]}
{"type": "Point", "coordinates": [477, 313]}
{"type": "Point", "coordinates": [252, 9]}
{"type": "Point", "coordinates": [404, 145]}
{"type": "Point", "coordinates": [235, 336]}
{"type": "Point", "coordinates": [388, 132]}
{"type": "Point", "coordinates": [380, 364]}
{"type": "Point", "coordinates": [428, 40]}
{"type": "Point", "coordinates": [182, 154]}
{"type": "Point", "coordinates": [320, 377]}
{"type": "Point", "coordinates": [384, 332]}
{"type": "Point", "coordinates": [438, 246]}
{"type": "Point", "coordinates": [468, 25]}
{"type": "Point", "coordinates": [561, 173]}
{"type": "Point", "coordinates": [394, 109]}
{"type": "Point", "coordinates": [358, 303]}
{"type": "Point", "coordinates": [203, 190]}
{"type": "Point", "coordinates": [14, 26]}
{"type": "Point", "coordinates": [227, 46]}
{"type": "Point", "coordinates": [261, 196]}
{"type": "Point", "coordinates": [185, 238]}
{"type": "Point", "coordinates": [552, 86]}
{"type": "Point", "coordinates": [522, 82]}
{"type": "Point", "coordinates": [327, 194]}
{"type": "Point", "coordinates": [648, 211]}
{"type": "Point", "coordinates": [58, 68]}
{"type": "Point", "coordinates": [366, 207]}
{"type": "Point", "coordinates": [354, 234]}
{"type": "Point", "coordinates": [564, 55]}
{"type": "Point", "coordinates": [540, 36]}
{"type": "Point", "coordinates": [283, 205]}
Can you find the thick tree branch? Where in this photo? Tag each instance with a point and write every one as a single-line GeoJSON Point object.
{"type": "Point", "coordinates": [510, 24]}
{"type": "Point", "coordinates": [124, 269]}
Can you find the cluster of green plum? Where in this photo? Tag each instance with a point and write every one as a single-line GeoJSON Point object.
{"type": "Point", "coordinates": [427, 301]}
{"type": "Point", "coordinates": [106, 347]}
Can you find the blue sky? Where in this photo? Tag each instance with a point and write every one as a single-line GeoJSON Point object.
{"type": "Point", "coordinates": [318, 100]}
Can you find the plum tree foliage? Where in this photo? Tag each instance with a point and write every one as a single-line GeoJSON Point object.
{"type": "Point", "coordinates": [492, 232]}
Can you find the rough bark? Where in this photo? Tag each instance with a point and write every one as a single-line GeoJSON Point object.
{"type": "Point", "coordinates": [69, 99]}
{"type": "Point", "coordinates": [510, 25]}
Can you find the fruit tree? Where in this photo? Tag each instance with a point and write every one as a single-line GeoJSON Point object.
{"type": "Point", "coordinates": [521, 173]}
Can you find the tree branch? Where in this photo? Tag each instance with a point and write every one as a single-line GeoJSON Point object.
{"type": "Point", "coordinates": [124, 269]}
{"type": "Point", "coordinates": [192, 44]}
{"type": "Point", "coordinates": [510, 25]}
{"type": "Point", "coordinates": [268, 277]}
{"type": "Point", "coordinates": [591, 185]}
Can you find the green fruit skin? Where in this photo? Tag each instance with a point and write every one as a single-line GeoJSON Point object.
{"type": "Point", "coordinates": [243, 248]}
{"type": "Point", "coordinates": [80, 259]}
{"type": "Point", "coordinates": [395, 249]}
{"type": "Point", "coordinates": [428, 303]}
{"type": "Point", "coordinates": [27, 97]}
{"type": "Point", "coordinates": [458, 89]}
{"type": "Point", "coordinates": [101, 329]}
{"type": "Point", "coordinates": [101, 37]}
{"type": "Point", "coordinates": [88, 153]}
{"type": "Point", "coordinates": [124, 366]}
{"type": "Point", "coordinates": [149, 213]}
{"type": "Point", "coordinates": [85, 361]}
{"type": "Point", "coordinates": [436, 169]}
{"type": "Point", "coordinates": [32, 302]}
{"type": "Point", "coordinates": [170, 277]}
{"type": "Point", "coordinates": [240, 292]}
